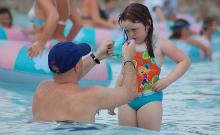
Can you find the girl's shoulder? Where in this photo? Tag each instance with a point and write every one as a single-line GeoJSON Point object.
{"type": "Point", "coordinates": [162, 42]}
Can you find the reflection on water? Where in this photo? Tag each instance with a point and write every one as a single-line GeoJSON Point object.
{"type": "Point", "coordinates": [191, 106]}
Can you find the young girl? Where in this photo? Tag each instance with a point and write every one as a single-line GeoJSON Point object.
{"type": "Point", "coordinates": [145, 111]}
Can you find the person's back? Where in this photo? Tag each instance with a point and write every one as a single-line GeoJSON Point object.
{"type": "Point", "coordinates": [63, 102]}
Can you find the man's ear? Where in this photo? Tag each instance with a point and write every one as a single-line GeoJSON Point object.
{"type": "Point", "coordinates": [76, 68]}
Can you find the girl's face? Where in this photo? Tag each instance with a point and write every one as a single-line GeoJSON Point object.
{"type": "Point", "coordinates": [135, 31]}
{"type": "Point", "coordinates": [5, 20]}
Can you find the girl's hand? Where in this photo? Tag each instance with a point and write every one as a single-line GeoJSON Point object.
{"type": "Point", "coordinates": [129, 50]}
{"type": "Point", "coordinates": [36, 49]}
{"type": "Point", "coordinates": [111, 112]}
{"type": "Point", "coordinates": [160, 85]}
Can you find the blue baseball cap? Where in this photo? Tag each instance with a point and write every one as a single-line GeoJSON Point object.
{"type": "Point", "coordinates": [65, 55]}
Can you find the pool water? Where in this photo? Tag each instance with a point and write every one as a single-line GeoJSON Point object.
{"type": "Point", "coordinates": [191, 106]}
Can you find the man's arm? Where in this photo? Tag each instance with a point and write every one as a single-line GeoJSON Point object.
{"type": "Point", "coordinates": [88, 64]}
{"type": "Point", "coordinates": [110, 98]}
{"type": "Point", "coordinates": [102, 52]}
{"type": "Point", "coordinates": [106, 98]}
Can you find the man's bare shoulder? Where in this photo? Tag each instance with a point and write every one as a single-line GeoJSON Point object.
{"type": "Point", "coordinates": [96, 91]}
{"type": "Point", "coordinates": [97, 88]}
{"type": "Point", "coordinates": [43, 86]}
{"type": "Point", "coordinates": [90, 90]}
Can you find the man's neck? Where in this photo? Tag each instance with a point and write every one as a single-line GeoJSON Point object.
{"type": "Point", "coordinates": [59, 79]}
{"type": "Point", "coordinates": [65, 82]}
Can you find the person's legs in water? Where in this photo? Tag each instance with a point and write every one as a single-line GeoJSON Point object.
{"type": "Point", "coordinates": [127, 116]}
{"type": "Point", "coordinates": [145, 111]}
{"type": "Point", "coordinates": [149, 116]}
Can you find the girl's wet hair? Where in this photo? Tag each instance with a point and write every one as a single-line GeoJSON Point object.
{"type": "Point", "coordinates": [138, 13]}
{"type": "Point", "coordinates": [4, 10]}
{"type": "Point", "coordinates": [177, 27]}
{"type": "Point", "coordinates": [207, 23]}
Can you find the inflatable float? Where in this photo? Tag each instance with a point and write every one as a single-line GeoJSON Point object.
{"type": "Point", "coordinates": [17, 67]}
{"type": "Point", "coordinates": [93, 36]}
{"type": "Point", "coordinates": [14, 34]}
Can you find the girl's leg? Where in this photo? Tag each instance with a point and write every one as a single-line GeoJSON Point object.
{"type": "Point", "coordinates": [127, 116]}
{"type": "Point", "coordinates": [149, 116]}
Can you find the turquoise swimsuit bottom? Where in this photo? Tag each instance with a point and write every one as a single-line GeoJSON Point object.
{"type": "Point", "coordinates": [144, 99]}
{"type": "Point", "coordinates": [38, 21]}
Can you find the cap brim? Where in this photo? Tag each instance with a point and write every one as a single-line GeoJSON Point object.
{"type": "Point", "coordinates": [84, 48]}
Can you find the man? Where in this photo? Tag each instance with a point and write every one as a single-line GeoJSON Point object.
{"type": "Point", "coordinates": [62, 99]}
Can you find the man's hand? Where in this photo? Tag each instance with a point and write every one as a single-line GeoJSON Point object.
{"type": "Point", "coordinates": [104, 51]}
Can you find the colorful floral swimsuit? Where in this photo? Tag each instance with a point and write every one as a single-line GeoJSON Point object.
{"type": "Point", "coordinates": [147, 74]}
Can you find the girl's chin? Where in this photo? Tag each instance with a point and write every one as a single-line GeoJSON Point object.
{"type": "Point", "coordinates": [139, 42]}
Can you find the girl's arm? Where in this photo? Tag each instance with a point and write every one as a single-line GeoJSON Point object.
{"type": "Point", "coordinates": [182, 64]}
